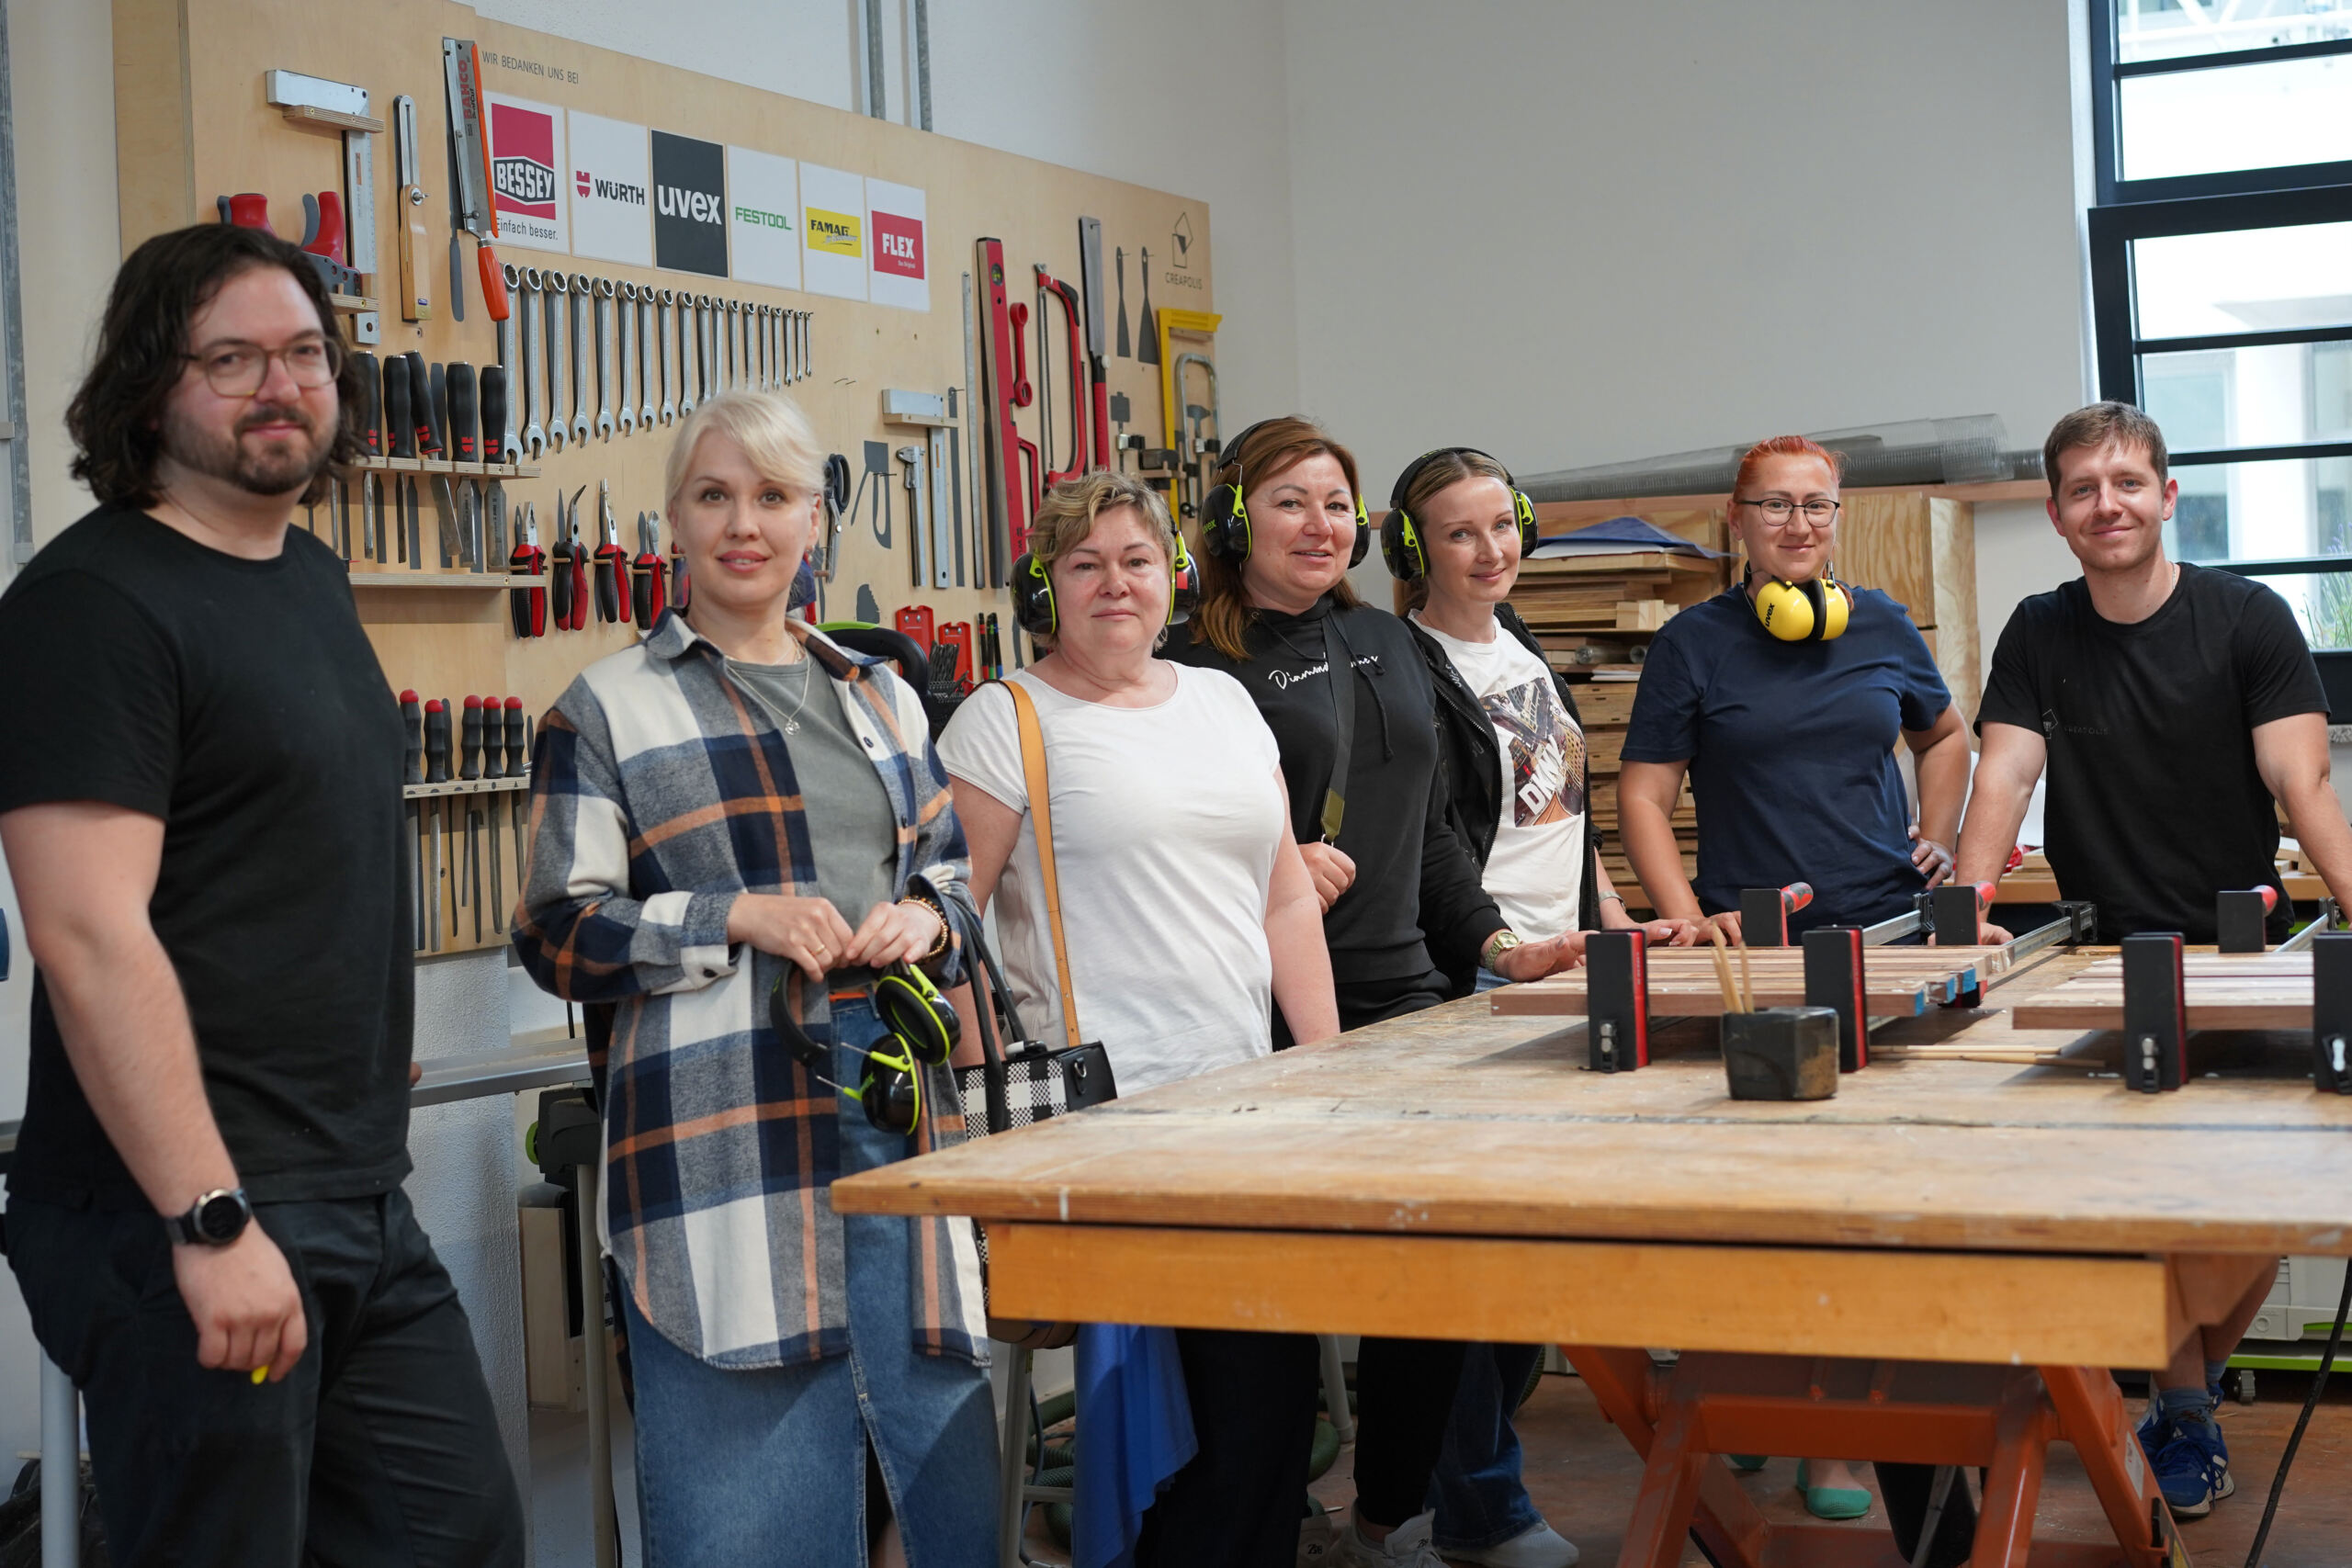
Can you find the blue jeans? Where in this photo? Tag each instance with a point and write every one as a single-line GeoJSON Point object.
{"type": "Point", "coordinates": [1476, 1491]}
{"type": "Point", "coordinates": [768, 1466]}
{"type": "Point", "coordinates": [1487, 980]}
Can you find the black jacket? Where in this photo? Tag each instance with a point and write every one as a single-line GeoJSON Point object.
{"type": "Point", "coordinates": [1472, 759]}
{"type": "Point", "coordinates": [1416, 903]}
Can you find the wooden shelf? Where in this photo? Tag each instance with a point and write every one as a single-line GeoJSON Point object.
{"type": "Point", "coordinates": [335, 121]}
{"type": "Point", "coordinates": [463, 786]}
{"type": "Point", "coordinates": [482, 580]}
{"type": "Point", "coordinates": [353, 304]}
{"type": "Point", "coordinates": [443, 466]}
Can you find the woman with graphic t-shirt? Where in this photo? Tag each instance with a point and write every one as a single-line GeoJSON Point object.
{"type": "Point", "coordinates": [1511, 744]}
{"type": "Point", "coordinates": [1789, 749]}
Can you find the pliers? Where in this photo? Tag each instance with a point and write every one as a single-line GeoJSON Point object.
{"type": "Point", "coordinates": [648, 582]}
{"type": "Point", "coordinates": [612, 561]}
{"type": "Point", "coordinates": [529, 605]}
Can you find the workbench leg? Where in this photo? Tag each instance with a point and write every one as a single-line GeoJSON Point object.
{"type": "Point", "coordinates": [2013, 1486]}
{"type": "Point", "coordinates": [2093, 1416]}
{"type": "Point", "coordinates": [1662, 1510]}
{"type": "Point", "coordinates": [1727, 1522]}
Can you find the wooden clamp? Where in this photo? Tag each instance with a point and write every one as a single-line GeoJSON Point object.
{"type": "Point", "coordinates": [2155, 1012]}
{"type": "Point", "coordinates": [2332, 1013]}
{"type": "Point", "coordinates": [1833, 979]}
{"type": "Point", "coordinates": [1617, 1008]}
{"type": "Point", "coordinates": [2241, 920]}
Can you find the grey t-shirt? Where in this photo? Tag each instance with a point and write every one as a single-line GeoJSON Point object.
{"type": "Point", "coordinates": [852, 831]}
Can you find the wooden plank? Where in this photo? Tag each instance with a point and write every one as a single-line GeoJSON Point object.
{"type": "Point", "coordinates": [1692, 998]}
{"type": "Point", "coordinates": [1456, 1121]}
{"type": "Point", "coordinates": [1610, 702]}
{"type": "Point", "coordinates": [2006, 1309]}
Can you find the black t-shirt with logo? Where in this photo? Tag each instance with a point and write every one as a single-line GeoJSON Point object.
{"type": "Point", "coordinates": [2154, 803]}
{"type": "Point", "coordinates": [239, 702]}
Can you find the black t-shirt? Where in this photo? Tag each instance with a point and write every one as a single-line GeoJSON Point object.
{"type": "Point", "coordinates": [239, 702]}
{"type": "Point", "coordinates": [1412, 874]}
{"type": "Point", "coordinates": [2154, 803]}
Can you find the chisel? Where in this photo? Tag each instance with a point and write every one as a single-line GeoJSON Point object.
{"type": "Point", "coordinates": [413, 771]}
{"type": "Point", "coordinates": [371, 436]}
{"type": "Point", "coordinates": [497, 893]}
{"type": "Point", "coordinates": [492, 390]}
{"type": "Point", "coordinates": [518, 742]}
{"type": "Point", "coordinates": [399, 437]}
{"type": "Point", "coordinates": [464, 434]}
{"type": "Point", "coordinates": [474, 864]}
{"type": "Point", "coordinates": [470, 741]}
{"type": "Point", "coordinates": [436, 771]}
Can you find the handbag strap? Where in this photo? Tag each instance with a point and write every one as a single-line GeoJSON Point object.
{"type": "Point", "coordinates": [1033, 773]}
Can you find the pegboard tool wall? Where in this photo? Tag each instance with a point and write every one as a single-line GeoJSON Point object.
{"type": "Point", "coordinates": [193, 123]}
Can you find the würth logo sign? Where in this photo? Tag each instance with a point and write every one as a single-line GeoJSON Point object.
{"type": "Point", "coordinates": [689, 204]}
{"type": "Point", "coordinates": [609, 190]}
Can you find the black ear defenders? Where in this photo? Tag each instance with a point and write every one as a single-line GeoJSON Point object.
{"type": "Point", "coordinates": [924, 1029]}
{"type": "Point", "coordinates": [1225, 517]}
{"type": "Point", "coordinates": [1813, 611]}
{"type": "Point", "coordinates": [1401, 545]}
{"type": "Point", "coordinates": [1032, 590]}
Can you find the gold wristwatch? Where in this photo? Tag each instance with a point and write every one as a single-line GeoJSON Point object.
{"type": "Point", "coordinates": [1502, 942]}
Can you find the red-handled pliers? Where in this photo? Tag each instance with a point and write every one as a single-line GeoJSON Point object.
{"type": "Point", "coordinates": [529, 605]}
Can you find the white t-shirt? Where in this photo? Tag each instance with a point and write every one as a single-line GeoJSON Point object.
{"type": "Point", "coordinates": [1166, 822]}
{"type": "Point", "coordinates": [1535, 873]}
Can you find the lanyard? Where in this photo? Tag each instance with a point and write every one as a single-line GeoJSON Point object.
{"type": "Point", "coordinates": [1342, 676]}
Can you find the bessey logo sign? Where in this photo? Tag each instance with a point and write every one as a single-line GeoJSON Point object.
{"type": "Point", "coordinates": [689, 204]}
{"type": "Point", "coordinates": [522, 174]}
{"type": "Point", "coordinates": [898, 244]}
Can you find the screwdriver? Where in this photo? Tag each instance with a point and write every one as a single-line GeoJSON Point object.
{"type": "Point", "coordinates": [470, 741]}
{"type": "Point", "coordinates": [420, 406]}
{"type": "Point", "coordinates": [413, 728]}
{"type": "Point", "coordinates": [518, 739]}
{"type": "Point", "coordinates": [436, 741]}
{"type": "Point", "coordinates": [493, 384]}
{"type": "Point", "coordinates": [465, 426]}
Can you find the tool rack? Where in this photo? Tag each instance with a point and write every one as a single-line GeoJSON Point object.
{"type": "Point", "coordinates": [195, 121]}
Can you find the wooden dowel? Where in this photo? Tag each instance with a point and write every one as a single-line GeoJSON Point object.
{"type": "Point", "coordinates": [1723, 971]}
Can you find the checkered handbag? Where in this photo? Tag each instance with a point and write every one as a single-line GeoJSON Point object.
{"type": "Point", "coordinates": [1032, 1081]}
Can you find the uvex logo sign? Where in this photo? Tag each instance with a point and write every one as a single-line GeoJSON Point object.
{"type": "Point", "coordinates": [689, 204]}
{"type": "Point", "coordinates": [697, 206]}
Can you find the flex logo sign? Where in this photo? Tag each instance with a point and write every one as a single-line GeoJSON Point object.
{"type": "Point", "coordinates": [527, 149]}
{"type": "Point", "coordinates": [689, 204]}
{"type": "Point", "coordinates": [895, 216]}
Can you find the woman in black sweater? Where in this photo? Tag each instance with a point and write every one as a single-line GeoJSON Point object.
{"type": "Point", "coordinates": [1402, 901]}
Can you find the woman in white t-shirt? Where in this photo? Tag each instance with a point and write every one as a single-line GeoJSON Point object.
{"type": "Point", "coordinates": [1513, 748]}
{"type": "Point", "coordinates": [1189, 916]}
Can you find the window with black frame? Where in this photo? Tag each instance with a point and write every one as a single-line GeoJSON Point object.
{"type": "Point", "coordinates": [2222, 275]}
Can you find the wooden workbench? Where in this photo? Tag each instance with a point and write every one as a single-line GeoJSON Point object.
{"type": "Point", "coordinates": [1455, 1174]}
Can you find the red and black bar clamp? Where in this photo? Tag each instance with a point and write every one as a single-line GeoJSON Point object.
{"type": "Point", "coordinates": [2332, 1013]}
{"type": "Point", "coordinates": [1617, 1000]}
{"type": "Point", "coordinates": [2241, 920]}
{"type": "Point", "coordinates": [2155, 1012]}
{"type": "Point", "coordinates": [1833, 979]}
{"type": "Point", "coordinates": [1764, 912]}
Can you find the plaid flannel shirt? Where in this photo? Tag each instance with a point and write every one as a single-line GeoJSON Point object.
{"type": "Point", "coordinates": [660, 793]}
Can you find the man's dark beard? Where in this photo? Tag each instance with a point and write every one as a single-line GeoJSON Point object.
{"type": "Point", "coordinates": [283, 472]}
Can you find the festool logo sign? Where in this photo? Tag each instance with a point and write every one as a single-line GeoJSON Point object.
{"type": "Point", "coordinates": [762, 219]}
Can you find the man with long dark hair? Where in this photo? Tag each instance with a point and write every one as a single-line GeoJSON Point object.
{"type": "Point", "coordinates": [200, 805]}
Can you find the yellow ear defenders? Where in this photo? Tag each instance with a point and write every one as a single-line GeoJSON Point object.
{"type": "Point", "coordinates": [1813, 611]}
{"type": "Point", "coordinates": [1400, 537]}
{"type": "Point", "coordinates": [1033, 591]}
{"type": "Point", "coordinates": [1224, 518]}
{"type": "Point", "coordinates": [923, 1031]}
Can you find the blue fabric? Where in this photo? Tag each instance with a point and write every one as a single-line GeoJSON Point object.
{"type": "Point", "coordinates": [1791, 747]}
{"type": "Point", "coordinates": [767, 1465]}
{"type": "Point", "coordinates": [1476, 1491]}
{"type": "Point", "coordinates": [1135, 1432]}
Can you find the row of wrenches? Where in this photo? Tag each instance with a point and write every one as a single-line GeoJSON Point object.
{"type": "Point", "coordinates": [686, 347]}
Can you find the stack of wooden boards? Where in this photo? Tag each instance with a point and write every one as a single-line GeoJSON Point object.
{"type": "Point", "coordinates": [1900, 982]}
{"type": "Point", "coordinates": [2224, 990]}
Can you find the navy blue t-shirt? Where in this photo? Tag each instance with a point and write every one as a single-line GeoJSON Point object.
{"type": "Point", "coordinates": [1791, 747]}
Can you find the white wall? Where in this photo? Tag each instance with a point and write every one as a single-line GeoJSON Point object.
{"type": "Point", "coordinates": [1583, 232]}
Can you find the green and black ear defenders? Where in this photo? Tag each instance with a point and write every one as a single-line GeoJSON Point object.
{"type": "Point", "coordinates": [1224, 518]}
{"type": "Point", "coordinates": [1033, 591]}
{"type": "Point", "coordinates": [1400, 536]}
{"type": "Point", "coordinates": [924, 1029]}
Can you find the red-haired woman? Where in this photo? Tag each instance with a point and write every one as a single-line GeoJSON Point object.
{"type": "Point", "coordinates": [1789, 743]}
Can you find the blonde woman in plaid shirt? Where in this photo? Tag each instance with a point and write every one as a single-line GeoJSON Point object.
{"type": "Point", "coordinates": [731, 801]}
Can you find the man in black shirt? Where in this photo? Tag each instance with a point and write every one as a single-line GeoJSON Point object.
{"type": "Point", "coordinates": [200, 806]}
{"type": "Point", "coordinates": [2172, 704]}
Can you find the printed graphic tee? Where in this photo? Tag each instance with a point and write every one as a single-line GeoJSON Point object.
{"type": "Point", "coordinates": [1535, 872]}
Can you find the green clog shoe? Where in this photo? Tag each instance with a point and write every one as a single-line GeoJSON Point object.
{"type": "Point", "coordinates": [1830, 1501]}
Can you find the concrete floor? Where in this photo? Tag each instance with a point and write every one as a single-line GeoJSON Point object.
{"type": "Point", "coordinates": [1583, 1476]}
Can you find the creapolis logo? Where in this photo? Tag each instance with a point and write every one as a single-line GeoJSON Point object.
{"type": "Point", "coordinates": [586, 184]}
{"type": "Point", "coordinates": [840, 233]}
{"type": "Point", "coordinates": [693, 205]}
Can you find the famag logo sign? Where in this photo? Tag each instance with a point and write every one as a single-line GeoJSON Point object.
{"type": "Point", "coordinates": [836, 233]}
{"type": "Point", "coordinates": [689, 204]}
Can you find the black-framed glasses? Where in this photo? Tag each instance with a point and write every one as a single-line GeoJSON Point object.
{"type": "Point", "coordinates": [1778, 512]}
{"type": "Point", "coordinates": [238, 369]}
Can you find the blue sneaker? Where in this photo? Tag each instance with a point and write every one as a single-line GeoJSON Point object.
{"type": "Point", "coordinates": [2152, 1430]}
{"type": "Point", "coordinates": [2193, 1468]}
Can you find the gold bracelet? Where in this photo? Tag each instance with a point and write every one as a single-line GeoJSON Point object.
{"type": "Point", "coordinates": [939, 946]}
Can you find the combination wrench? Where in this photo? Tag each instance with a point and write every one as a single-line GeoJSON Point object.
{"type": "Point", "coordinates": [665, 305]}
{"type": "Point", "coordinates": [645, 317]}
{"type": "Point", "coordinates": [583, 317]}
{"type": "Point", "coordinates": [689, 350]}
{"type": "Point", "coordinates": [507, 363]}
{"type": "Point", "coordinates": [607, 361]}
{"type": "Point", "coordinates": [713, 314]}
{"type": "Point", "coordinates": [627, 414]}
{"type": "Point", "coordinates": [532, 389]}
{"type": "Point", "coordinates": [557, 295]}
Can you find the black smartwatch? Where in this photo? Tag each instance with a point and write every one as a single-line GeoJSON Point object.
{"type": "Point", "coordinates": [216, 1218]}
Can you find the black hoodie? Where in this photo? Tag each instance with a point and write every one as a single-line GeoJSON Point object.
{"type": "Point", "coordinates": [1413, 876]}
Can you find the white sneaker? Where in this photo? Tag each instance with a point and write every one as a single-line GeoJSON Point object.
{"type": "Point", "coordinates": [1319, 1540]}
{"type": "Point", "coordinates": [1538, 1547]}
{"type": "Point", "coordinates": [1408, 1546]}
